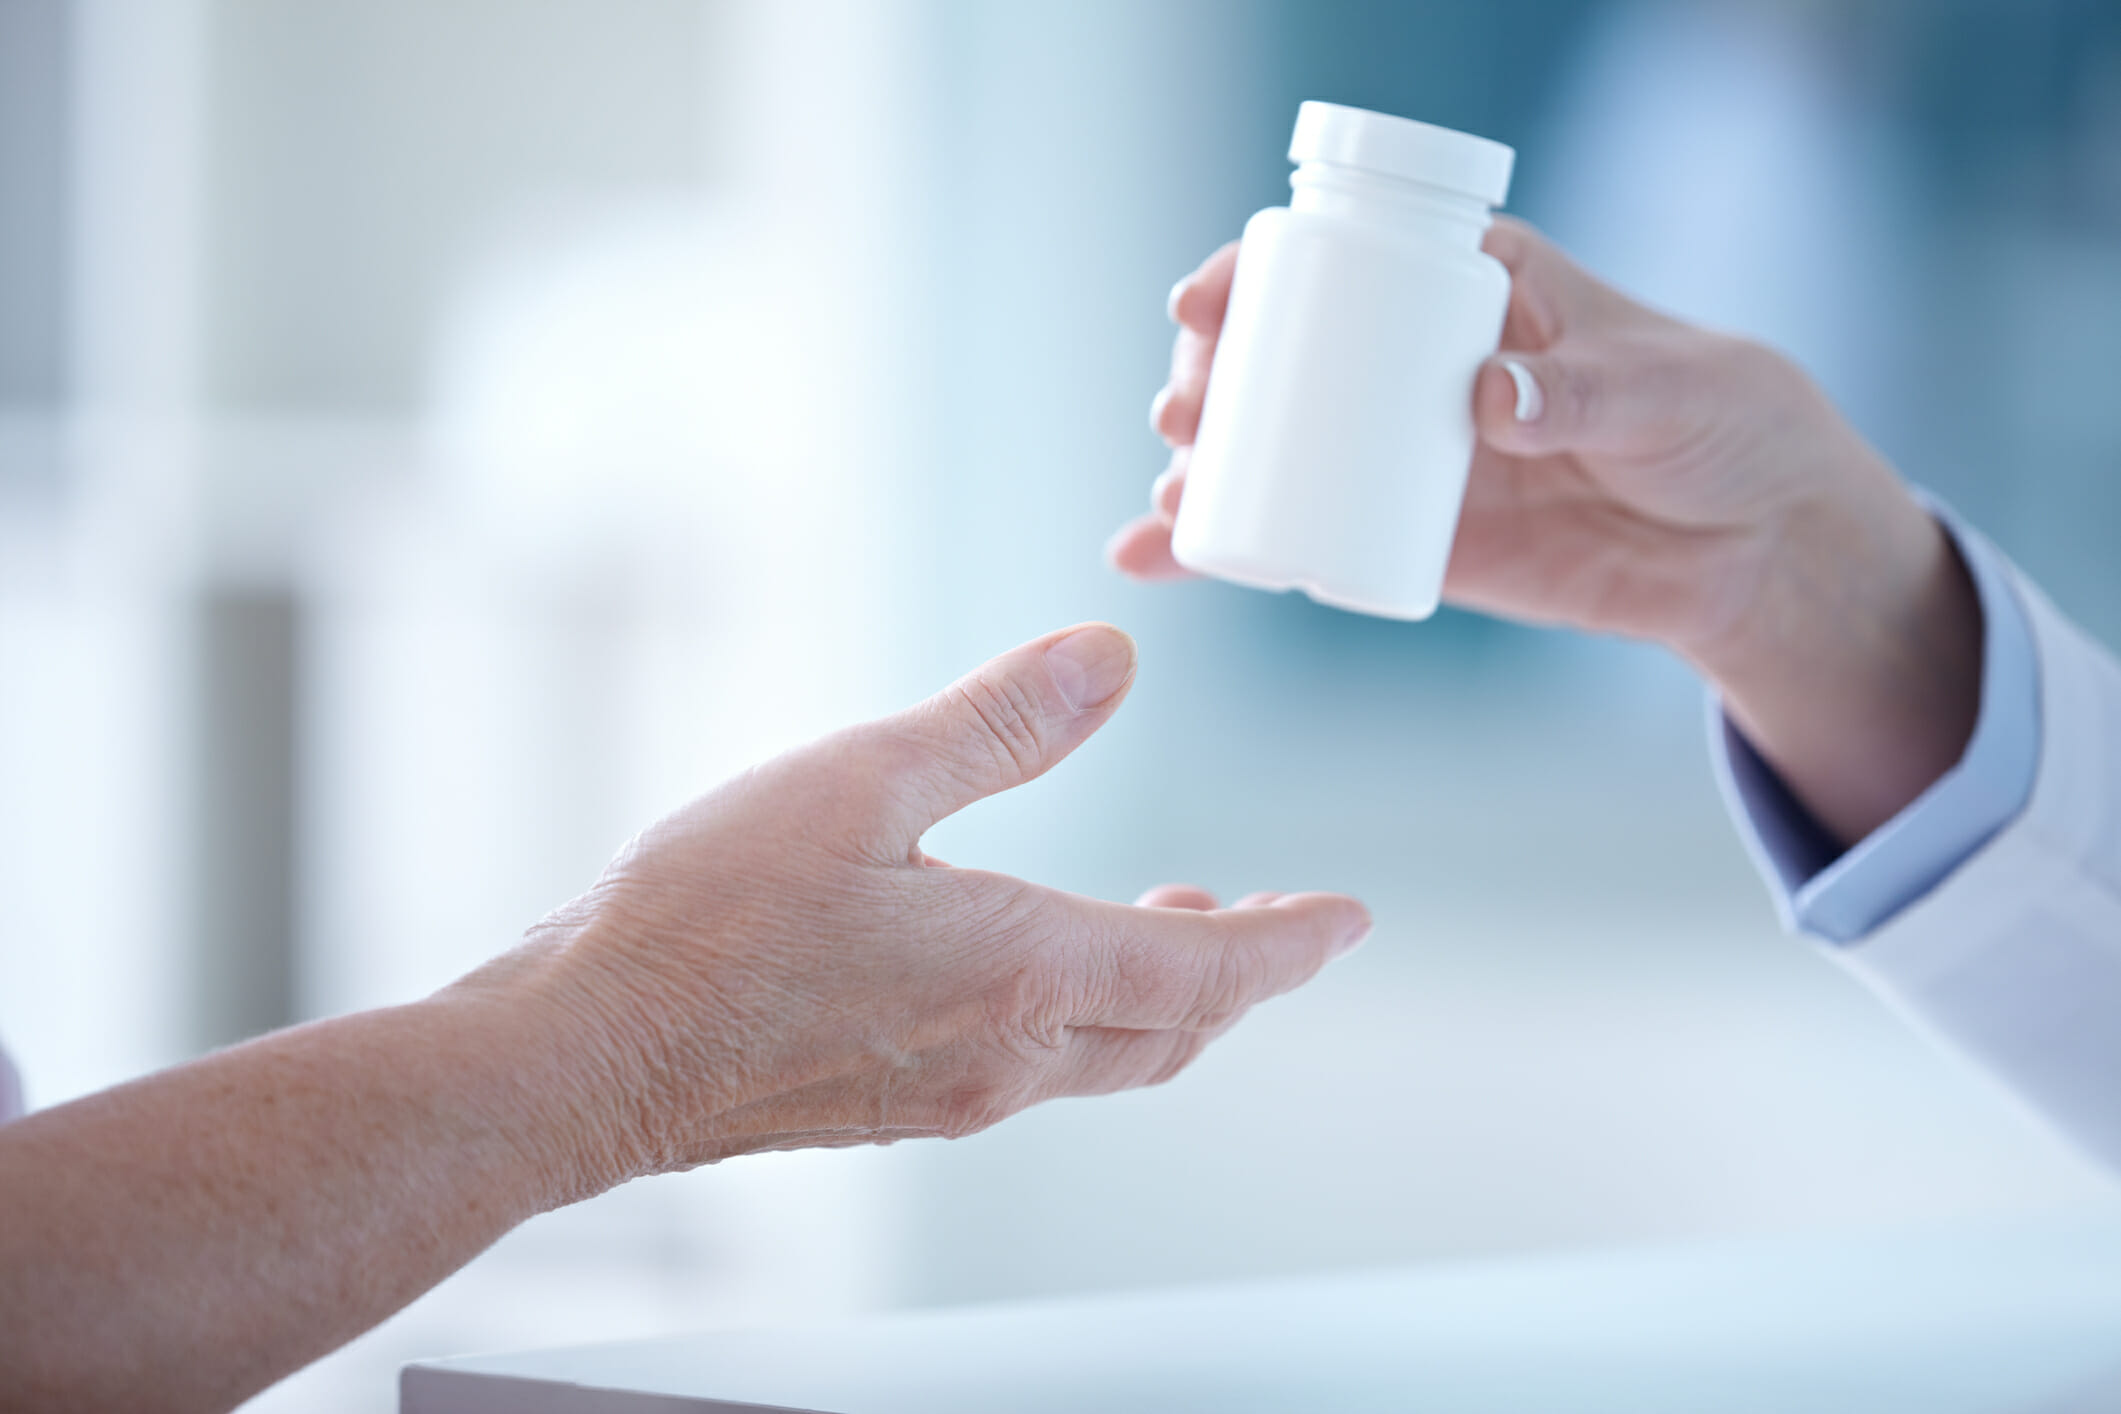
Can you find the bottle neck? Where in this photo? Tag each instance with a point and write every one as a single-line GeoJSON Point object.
{"type": "Point", "coordinates": [1353, 194]}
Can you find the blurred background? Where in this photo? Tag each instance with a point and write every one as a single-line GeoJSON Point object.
{"type": "Point", "coordinates": [436, 436]}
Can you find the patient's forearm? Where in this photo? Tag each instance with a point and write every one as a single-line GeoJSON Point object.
{"type": "Point", "coordinates": [180, 1242]}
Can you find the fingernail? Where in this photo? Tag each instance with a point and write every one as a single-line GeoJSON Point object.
{"type": "Point", "coordinates": [1162, 496]}
{"type": "Point", "coordinates": [1530, 401]}
{"type": "Point", "coordinates": [1090, 665]}
{"type": "Point", "coordinates": [1178, 292]}
{"type": "Point", "coordinates": [1157, 405]}
{"type": "Point", "coordinates": [1354, 927]}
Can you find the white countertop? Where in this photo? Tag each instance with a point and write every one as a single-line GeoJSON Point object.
{"type": "Point", "coordinates": [2025, 1319]}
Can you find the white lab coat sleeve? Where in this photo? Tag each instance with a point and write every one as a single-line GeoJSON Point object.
{"type": "Point", "coordinates": [2015, 957]}
{"type": "Point", "coordinates": [1840, 894]}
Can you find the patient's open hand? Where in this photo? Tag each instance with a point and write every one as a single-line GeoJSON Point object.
{"type": "Point", "coordinates": [779, 965]}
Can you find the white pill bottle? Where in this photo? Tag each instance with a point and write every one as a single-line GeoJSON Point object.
{"type": "Point", "coordinates": [1338, 427]}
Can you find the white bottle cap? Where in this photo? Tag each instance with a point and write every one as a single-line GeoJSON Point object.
{"type": "Point", "coordinates": [1401, 147]}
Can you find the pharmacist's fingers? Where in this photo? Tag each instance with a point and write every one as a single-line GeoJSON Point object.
{"type": "Point", "coordinates": [1199, 301]}
{"type": "Point", "coordinates": [1616, 397]}
{"type": "Point", "coordinates": [1191, 355]}
{"type": "Point", "coordinates": [1176, 412]}
{"type": "Point", "coordinates": [1170, 487]}
{"type": "Point", "coordinates": [1142, 550]}
{"type": "Point", "coordinates": [1549, 293]}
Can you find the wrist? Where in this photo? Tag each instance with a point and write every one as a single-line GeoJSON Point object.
{"type": "Point", "coordinates": [1818, 570]}
{"type": "Point", "coordinates": [1855, 666]}
{"type": "Point", "coordinates": [571, 1078]}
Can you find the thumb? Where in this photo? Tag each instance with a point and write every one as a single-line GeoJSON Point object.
{"type": "Point", "coordinates": [1533, 405]}
{"type": "Point", "coordinates": [1006, 722]}
{"type": "Point", "coordinates": [1606, 396]}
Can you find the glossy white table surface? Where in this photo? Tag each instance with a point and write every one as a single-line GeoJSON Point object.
{"type": "Point", "coordinates": [2025, 1319]}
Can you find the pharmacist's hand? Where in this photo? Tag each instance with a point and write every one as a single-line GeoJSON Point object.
{"type": "Point", "coordinates": [1639, 475]}
{"type": "Point", "coordinates": [779, 965]}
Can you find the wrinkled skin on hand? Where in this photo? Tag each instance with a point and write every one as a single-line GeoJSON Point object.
{"type": "Point", "coordinates": [777, 965]}
{"type": "Point", "coordinates": [780, 965]}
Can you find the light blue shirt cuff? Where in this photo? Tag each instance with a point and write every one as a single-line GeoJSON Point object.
{"type": "Point", "coordinates": [1843, 895]}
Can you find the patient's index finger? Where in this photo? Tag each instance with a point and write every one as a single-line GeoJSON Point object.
{"type": "Point", "coordinates": [1164, 968]}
